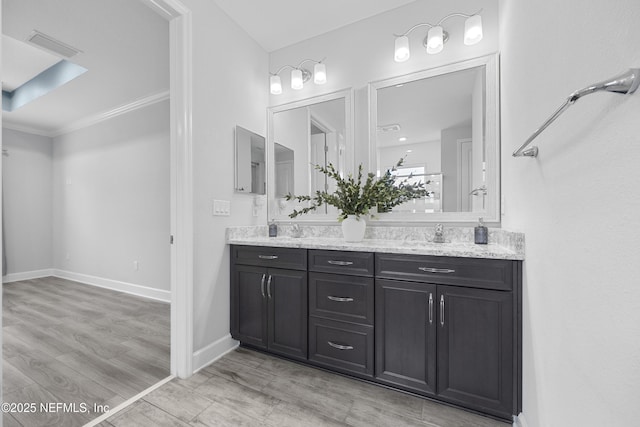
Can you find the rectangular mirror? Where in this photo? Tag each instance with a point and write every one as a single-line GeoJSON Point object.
{"type": "Point", "coordinates": [302, 134]}
{"type": "Point", "coordinates": [250, 168]}
{"type": "Point", "coordinates": [444, 122]}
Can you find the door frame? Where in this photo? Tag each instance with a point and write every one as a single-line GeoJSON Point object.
{"type": "Point", "coordinates": [181, 178]}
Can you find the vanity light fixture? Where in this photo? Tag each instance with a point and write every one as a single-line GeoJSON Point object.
{"type": "Point", "coordinates": [437, 36]}
{"type": "Point", "coordinates": [299, 76]}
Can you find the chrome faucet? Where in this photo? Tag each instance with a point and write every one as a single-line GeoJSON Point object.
{"type": "Point", "coordinates": [439, 234]}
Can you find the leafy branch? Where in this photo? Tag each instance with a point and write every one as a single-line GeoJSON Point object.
{"type": "Point", "coordinates": [353, 197]}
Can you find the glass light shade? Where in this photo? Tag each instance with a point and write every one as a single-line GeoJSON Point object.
{"type": "Point", "coordinates": [296, 80]}
{"type": "Point", "coordinates": [435, 40]}
{"type": "Point", "coordinates": [319, 74]}
{"type": "Point", "coordinates": [402, 52]}
{"type": "Point", "coordinates": [473, 30]}
{"type": "Point", "coordinates": [276, 85]}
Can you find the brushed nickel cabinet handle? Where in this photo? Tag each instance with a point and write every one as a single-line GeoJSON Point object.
{"type": "Point", "coordinates": [268, 256]}
{"type": "Point", "coordinates": [436, 270]}
{"type": "Point", "coordinates": [430, 308]}
{"type": "Point", "coordinates": [264, 276]}
{"type": "Point", "coordinates": [269, 286]}
{"type": "Point", "coordinates": [340, 347]}
{"type": "Point", "coordinates": [340, 299]}
{"type": "Point", "coordinates": [442, 310]}
{"type": "Point", "coordinates": [343, 263]}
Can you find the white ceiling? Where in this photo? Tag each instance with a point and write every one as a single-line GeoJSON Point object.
{"type": "Point", "coordinates": [124, 44]}
{"type": "Point", "coordinates": [22, 62]}
{"type": "Point", "coordinates": [125, 47]}
{"type": "Point", "coordinates": [275, 24]}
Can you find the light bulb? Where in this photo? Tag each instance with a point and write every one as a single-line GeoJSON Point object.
{"type": "Point", "coordinates": [319, 74]}
{"type": "Point", "coordinates": [402, 52]}
{"type": "Point", "coordinates": [435, 40]}
{"type": "Point", "coordinates": [472, 30]}
{"type": "Point", "coordinates": [276, 85]}
{"type": "Point", "coordinates": [296, 79]}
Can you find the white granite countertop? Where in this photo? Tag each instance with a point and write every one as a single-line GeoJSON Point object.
{"type": "Point", "coordinates": [456, 246]}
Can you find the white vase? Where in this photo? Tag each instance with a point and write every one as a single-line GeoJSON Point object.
{"type": "Point", "coordinates": [353, 228]}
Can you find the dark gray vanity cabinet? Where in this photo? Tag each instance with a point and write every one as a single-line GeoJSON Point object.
{"type": "Point", "coordinates": [449, 328]}
{"type": "Point", "coordinates": [341, 311]}
{"type": "Point", "coordinates": [269, 299]}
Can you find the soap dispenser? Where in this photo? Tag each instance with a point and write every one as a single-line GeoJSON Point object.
{"type": "Point", "coordinates": [273, 229]}
{"type": "Point", "coordinates": [481, 233]}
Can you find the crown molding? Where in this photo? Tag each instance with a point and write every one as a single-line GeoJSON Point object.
{"type": "Point", "coordinates": [90, 120]}
{"type": "Point", "coordinates": [25, 128]}
{"type": "Point", "coordinates": [123, 109]}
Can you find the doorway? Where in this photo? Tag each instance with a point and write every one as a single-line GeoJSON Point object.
{"type": "Point", "coordinates": [181, 238]}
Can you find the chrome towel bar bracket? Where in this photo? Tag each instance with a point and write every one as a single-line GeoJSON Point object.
{"type": "Point", "coordinates": [625, 83]}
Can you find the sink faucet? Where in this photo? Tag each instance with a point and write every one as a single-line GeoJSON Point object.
{"type": "Point", "coordinates": [439, 234]}
{"type": "Point", "coordinates": [296, 231]}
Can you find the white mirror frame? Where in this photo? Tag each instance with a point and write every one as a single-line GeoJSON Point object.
{"type": "Point", "coordinates": [492, 141]}
{"type": "Point", "coordinates": [330, 218]}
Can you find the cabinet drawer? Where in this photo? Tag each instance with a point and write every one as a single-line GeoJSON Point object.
{"type": "Point", "coordinates": [290, 258]}
{"type": "Point", "coordinates": [348, 298]}
{"type": "Point", "coordinates": [341, 346]}
{"type": "Point", "coordinates": [472, 272]}
{"type": "Point", "coordinates": [352, 263]}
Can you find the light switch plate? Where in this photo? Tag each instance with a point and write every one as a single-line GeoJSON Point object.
{"type": "Point", "coordinates": [221, 208]}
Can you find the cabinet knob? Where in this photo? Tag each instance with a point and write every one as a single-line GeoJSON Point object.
{"type": "Point", "coordinates": [268, 256]}
{"type": "Point", "coordinates": [269, 286]}
{"type": "Point", "coordinates": [442, 310]}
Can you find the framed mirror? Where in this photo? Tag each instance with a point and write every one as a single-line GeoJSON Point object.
{"type": "Point", "coordinates": [302, 134]}
{"type": "Point", "coordinates": [250, 170]}
{"type": "Point", "coordinates": [445, 123]}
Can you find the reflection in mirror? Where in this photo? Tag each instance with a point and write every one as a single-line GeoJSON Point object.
{"type": "Point", "coordinates": [284, 170]}
{"type": "Point", "coordinates": [250, 162]}
{"type": "Point", "coordinates": [304, 134]}
{"type": "Point", "coordinates": [444, 122]}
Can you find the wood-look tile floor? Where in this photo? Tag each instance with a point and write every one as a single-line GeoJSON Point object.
{"type": "Point", "coordinates": [248, 388]}
{"type": "Point", "coordinates": [71, 343]}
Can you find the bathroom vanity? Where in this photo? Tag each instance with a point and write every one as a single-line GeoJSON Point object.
{"type": "Point", "coordinates": [441, 321]}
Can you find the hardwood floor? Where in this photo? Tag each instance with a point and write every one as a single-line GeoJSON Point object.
{"type": "Point", "coordinates": [65, 342]}
{"type": "Point", "coordinates": [247, 388]}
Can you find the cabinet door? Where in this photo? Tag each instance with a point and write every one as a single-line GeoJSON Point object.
{"type": "Point", "coordinates": [287, 294]}
{"type": "Point", "coordinates": [475, 348]}
{"type": "Point", "coordinates": [249, 305]}
{"type": "Point", "coordinates": [406, 335]}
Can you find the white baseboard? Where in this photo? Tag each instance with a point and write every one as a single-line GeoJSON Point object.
{"type": "Point", "coordinates": [520, 421]}
{"type": "Point", "coordinates": [214, 351]}
{"type": "Point", "coordinates": [27, 275]}
{"type": "Point", "coordinates": [115, 285]}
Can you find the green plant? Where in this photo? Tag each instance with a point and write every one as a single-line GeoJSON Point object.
{"type": "Point", "coordinates": [353, 196]}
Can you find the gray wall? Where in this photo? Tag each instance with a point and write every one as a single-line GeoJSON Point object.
{"type": "Point", "coordinates": [27, 174]}
{"type": "Point", "coordinates": [111, 199]}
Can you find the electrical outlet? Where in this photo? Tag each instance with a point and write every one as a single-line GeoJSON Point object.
{"type": "Point", "coordinates": [136, 266]}
{"type": "Point", "coordinates": [221, 208]}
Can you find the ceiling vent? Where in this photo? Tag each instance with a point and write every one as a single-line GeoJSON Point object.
{"type": "Point", "coordinates": [49, 43]}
